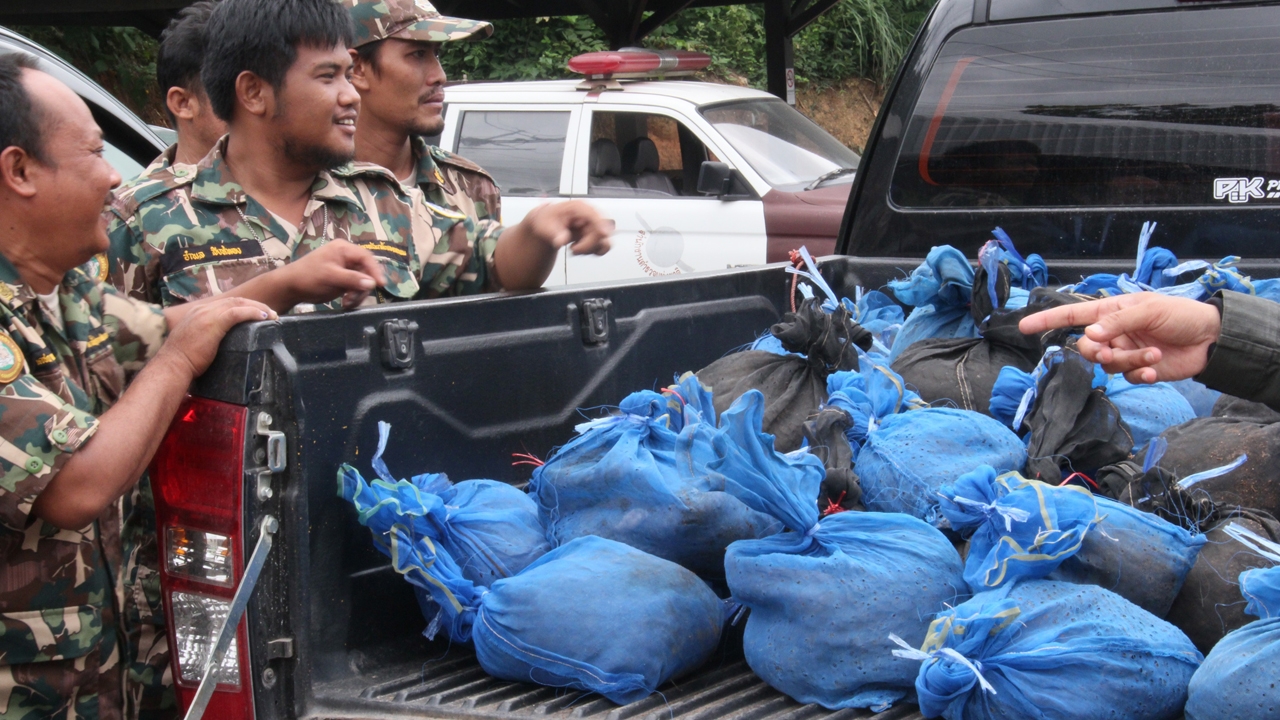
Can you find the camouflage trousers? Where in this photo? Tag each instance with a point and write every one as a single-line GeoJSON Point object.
{"type": "Point", "coordinates": [83, 688]}
{"type": "Point", "coordinates": [149, 692]}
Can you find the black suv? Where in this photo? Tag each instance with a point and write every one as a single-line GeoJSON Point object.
{"type": "Point", "coordinates": [1070, 123]}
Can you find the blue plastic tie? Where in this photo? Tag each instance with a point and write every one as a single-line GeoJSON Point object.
{"type": "Point", "coordinates": [1155, 452]}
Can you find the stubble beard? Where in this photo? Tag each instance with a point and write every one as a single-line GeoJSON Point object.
{"type": "Point", "coordinates": [316, 156]}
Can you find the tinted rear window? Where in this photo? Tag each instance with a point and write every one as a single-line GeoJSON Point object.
{"type": "Point", "coordinates": [1174, 109]}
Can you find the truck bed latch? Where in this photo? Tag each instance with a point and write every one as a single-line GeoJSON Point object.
{"type": "Point", "coordinates": [595, 321]}
{"type": "Point", "coordinates": [395, 337]}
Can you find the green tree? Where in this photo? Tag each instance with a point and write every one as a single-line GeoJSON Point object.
{"type": "Point", "coordinates": [121, 59]}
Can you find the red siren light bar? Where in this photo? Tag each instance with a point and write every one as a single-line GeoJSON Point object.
{"type": "Point", "coordinates": [638, 63]}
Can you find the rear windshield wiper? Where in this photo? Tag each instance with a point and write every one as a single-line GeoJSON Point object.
{"type": "Point", "coordinates": [830, 176]}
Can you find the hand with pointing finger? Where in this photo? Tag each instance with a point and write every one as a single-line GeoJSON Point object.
{"type": "Point", "coordinates": [1147, 336]}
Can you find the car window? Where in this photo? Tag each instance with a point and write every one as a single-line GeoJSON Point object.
{"type": "Point", "coordinates": [635, 154]}
{"type": "Point", "coordinates": [788, 149]}
{"type": "Point", "coordinates": [1173, 109]}
{"type": "Point", "coordinates": [125, 165]}
{"type": "Point", "coordinates": [523, 151]}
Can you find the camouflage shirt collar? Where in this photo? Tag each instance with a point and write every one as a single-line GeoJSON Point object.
{"type": "Point", "coordinates": [215, 185]}
{"type": "Point", "coordinates": [428, 170]}
{"type": "Point", "coordinates": [14, 293]}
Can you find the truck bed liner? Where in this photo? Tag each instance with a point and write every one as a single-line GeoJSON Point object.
{"type": "Point", "coordinates": [456, 687]}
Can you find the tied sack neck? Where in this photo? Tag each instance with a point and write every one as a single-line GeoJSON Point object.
{"type": "Point", "coordinates": [828, 342]}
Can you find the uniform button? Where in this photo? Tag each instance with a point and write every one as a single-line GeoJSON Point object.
{"type": "Point", "coordinates": [34, 465]}
{"type": "Point", "coordinates": [59, 436]}
{"type": "Point", "coordinates": [180, 172]}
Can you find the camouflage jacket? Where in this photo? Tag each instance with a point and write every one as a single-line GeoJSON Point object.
{"type": "Point", "coordinates": [60, 646]}
{"type": "Point", "coordinates": [451, 248]}
{"type": "Point", "coordinates": [192, 232]}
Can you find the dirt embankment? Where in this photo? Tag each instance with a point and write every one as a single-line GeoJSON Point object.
{"type": "Point", "coordinates": [846, 110]}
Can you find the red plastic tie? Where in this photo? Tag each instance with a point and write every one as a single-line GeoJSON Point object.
{"type": "Point", "coordinates": [527, 459]}
{"type": "Point", "coordinates": [675, 392]}
{"type": "Point", "coordinates": [834, 507]}
{"type": "Point", "coordinates": [798, 261]}
{"type": "Point", "coordinates": [1083, 477]}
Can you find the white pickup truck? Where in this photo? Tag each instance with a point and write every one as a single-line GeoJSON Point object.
{"type": "Point", "coordinates": [772, 180]}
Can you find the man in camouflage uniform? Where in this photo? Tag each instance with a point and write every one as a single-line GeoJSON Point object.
{"type": "Point", "coordinates": [149, 690]}
{"type": "Point", "coordinates": [73, 440]}
{"type": "Point", "coordinates": [272, 190]}
{"type": "Point", "coordinates": [401, 86]}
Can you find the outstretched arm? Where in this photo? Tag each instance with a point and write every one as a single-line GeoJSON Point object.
{"type": "Point", "coordinates": [1147, 336]}
{"type": "Point", "coordinates": [526, 252]}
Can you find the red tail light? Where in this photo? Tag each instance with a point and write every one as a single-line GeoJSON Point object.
{"type": "Point", "coordinates": [198, 481]}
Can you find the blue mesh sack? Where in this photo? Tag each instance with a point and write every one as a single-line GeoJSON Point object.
{"type": "Point", "coordinates": [881, 316]}
{"type": "Point", "coordinates": [940, 291]}
{"type": "Point", "coordinates": [1155, 268]}
{"type": "Point", "coordinates": [490, 528]}
{"type": "Point", "coordinates": [1017, 528]}
{"type": "Point", "coordinates": [869, 395]}
{"type": "Point", "coordinates": [824, 597]}
{"type": "Point", "coordinates": [1240, 679]}
{"type": "Point", "coordinates": [1148, 410]}
{"type": "Point", "coordinates": [592, 614]}
{"type": "Point", "coordinates": [910, 455]}
{"type": "Point", "coordinates": [1044, 649]}
{"type": "Point", "coordinates": [1023, 529]}
{"type": "Point", "coordinates": [640, 477]}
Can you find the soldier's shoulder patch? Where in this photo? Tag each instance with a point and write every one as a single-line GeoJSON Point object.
{"type": "Point", "coordinates": [6, 292]}
{"type": "Point", "coordinates": [10, 360]}
{"type": "Point", "coordinates": [444, 156]}
{"type": "Point", "coordinates": [128, 200]}
{"type": "Point", "coordinates": [97, 267]}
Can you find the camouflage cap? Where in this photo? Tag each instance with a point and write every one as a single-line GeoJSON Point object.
{"type": "Point", "coordinates": [410, 20]}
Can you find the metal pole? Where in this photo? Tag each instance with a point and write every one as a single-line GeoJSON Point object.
{"type": "Point", "coordinates": [779, 49]}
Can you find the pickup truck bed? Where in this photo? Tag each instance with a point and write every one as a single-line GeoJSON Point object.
{"type": "Point", "coordinates": [490, 377]}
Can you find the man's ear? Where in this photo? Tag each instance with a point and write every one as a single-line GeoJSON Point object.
{"type": "Point", "coordinates": [254, 94]}
{"type": "Point", "coordinates": [182, 103]}
{"type": "Point", "coordinates": [360, 71]}
{"type": "Point", "coordinates": [16, 172]}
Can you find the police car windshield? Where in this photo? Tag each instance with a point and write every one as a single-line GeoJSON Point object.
{"type": "Point", "coordinates": [788, 150]}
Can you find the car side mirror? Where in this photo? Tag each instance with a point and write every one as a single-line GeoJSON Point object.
{"type": "Point", "coordinates": [718, 179]}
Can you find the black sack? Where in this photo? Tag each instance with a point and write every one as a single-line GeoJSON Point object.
{"type": "Point", "coordinates": [1073, 426]}
{"type": "Point", "coordinates": [1214, 442]}
{"type": "Point", "coordinates": [1209, 605]}
{"type": "Point", "coordinates": [827, 438]}
{"type": "Point", "coordinates": [963, 371]}
{"type": "Point", "coordinates": [1228, 406]}
{"type": "Point", "coordinates": [1155, 490]}
{"type": "Point", "coordinates": [794, 386]}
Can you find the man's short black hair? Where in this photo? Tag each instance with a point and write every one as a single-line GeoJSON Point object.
{"type": "Point", "coordinates": [368, 53]}
{"type": "Point", "coordinates": [181, 51]}
{"type": "Point", "coordinates": [263, 37]}
{"type": "Point", "coordinates": [20, 117]}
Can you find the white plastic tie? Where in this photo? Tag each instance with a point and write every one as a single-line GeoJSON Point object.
{"type": "Point", "coordinates": [909, 653]}
{"type": "Point", "coordinates": [1254, 542]}
{"type": "Point", "coordinates": [1010, 514]}
{"type": "Point", "coordinates": [813, 530]}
